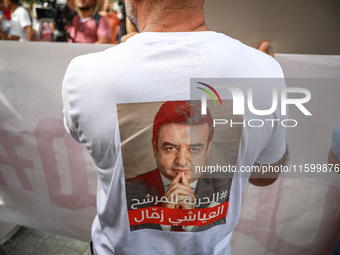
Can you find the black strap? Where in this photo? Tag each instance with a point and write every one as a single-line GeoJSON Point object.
{"type": "Point", "coordinates": [96, 18]}
{"type": "Point", "coordinates": [72, 15]}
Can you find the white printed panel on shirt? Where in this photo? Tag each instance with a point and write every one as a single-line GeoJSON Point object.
{"type": "Point", "coordinates": [177, 165]}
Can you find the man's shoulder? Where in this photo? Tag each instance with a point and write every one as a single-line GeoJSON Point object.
{"type": "Point", "coordinates": [245, 60]}
{"type": "Point", "coordinates": [229, 55]}
{"type": "Point", "coordinates": [20, 11]}
{"type": "Point", "coordinates": [87, 65]}
{"type": "Point", "coordinates": [108, 52]}
{"type": "Point", "coordinates": [22, 16]}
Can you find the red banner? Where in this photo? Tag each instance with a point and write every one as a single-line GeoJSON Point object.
{"type": "Point", "coordinates": [178, 217]}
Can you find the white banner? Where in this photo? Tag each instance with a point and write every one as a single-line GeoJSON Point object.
{"type": "Point", "coordinates": [298, 216]}
{"type": "Point", "coordinates": [47, 180]}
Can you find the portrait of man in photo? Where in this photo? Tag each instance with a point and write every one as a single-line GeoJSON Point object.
{"type": "Point", "coordinates": [181, 142]}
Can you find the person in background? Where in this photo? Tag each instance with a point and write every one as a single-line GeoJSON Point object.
{"type": "Point", "coordinates": [19, 16]}
{"type": "Point", "coordinates": [35, 23]}
{"type": "Point", "coordinates": [46, 31]}
{"type": "Point", "coordinates": [28, 8]}
{"type": "Point", "coordinates": [42, 29]}
{"type": "Point", "coordinates": [6, 12]}
{"type": "Point", "coordinates": [114, 22]}
{"type": "Point", "coordinates": [126, 29]}
{"type": "Point", "coordinates": [334, 158]}
{"type": "Point", "coordinates": [334, 152]}
{"type": "Point", "coordinates": [5, 23]}
{"type": "Point", "coordinates": [70, 4]}
{"type": "Point", "coordinates": [87, 25]}
{"type": "Point", "coordinates": [9, 29]}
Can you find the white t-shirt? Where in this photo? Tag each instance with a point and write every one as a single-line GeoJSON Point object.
{"type": "Point", "coordinates": [5, 25]}
{"type": "Point", "coordinates": [155, 67]}
{"type": "Point", "coordinates": [22, 16]}
{"type": "Point", "coordinates": [10, 27]}
{"type": "Point", "coordinates": [15, 28]}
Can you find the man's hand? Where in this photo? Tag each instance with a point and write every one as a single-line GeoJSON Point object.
{"type": "Point", "coordinates": [182, 191]}
{"type": "Point", "coordinates": [264, 48]}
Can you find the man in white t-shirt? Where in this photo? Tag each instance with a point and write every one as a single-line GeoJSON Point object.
{"type": "Point", "coordinates": [8, 28]}
{"type": "Point", "coordinates": [156, 66]}
{"type": "Point", "coordinates": [4, 23]}
{"type": "Point", "coordinates": [20, 19]}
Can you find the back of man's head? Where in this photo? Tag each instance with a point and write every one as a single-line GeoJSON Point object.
{"type": "Point", "coordinates": [178, 4]}
{"type": "Point", "coordinates": [156, 10]}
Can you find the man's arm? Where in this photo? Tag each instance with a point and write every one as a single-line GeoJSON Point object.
{"type": "Point", "coordinates": [25, 22]}
{"type": "Point", "coordinates": [4, 36]}
{"type": "Point", "coordinates": [10, 37]}
{"type": "Point", "coordinates": [334, 152]}
{"type": "Point", "coordinates": [30, 33]}
{"type": "Point", "coordinates": [259, 179]}
{"type": "Point", "coordinates": [103, 39]}
{"type": "Point", "coordinates": [332, 159]}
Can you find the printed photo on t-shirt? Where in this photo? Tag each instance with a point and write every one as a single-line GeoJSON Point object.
{"type": "Point", "coordinates": [178, 165]}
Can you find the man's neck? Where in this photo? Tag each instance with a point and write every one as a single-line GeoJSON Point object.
{"type": "Point", "coordinates": [85, 13]}
{"type": "Point", "coordinates": [171, 19]}
{"type": "Point", "coordinates": [13, 7]}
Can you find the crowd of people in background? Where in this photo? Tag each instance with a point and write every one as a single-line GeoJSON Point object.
{"type": "Point", "coordinates": [86, 21]}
